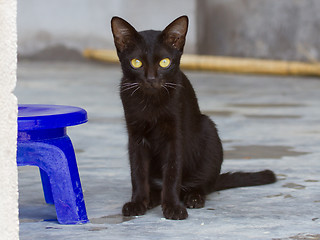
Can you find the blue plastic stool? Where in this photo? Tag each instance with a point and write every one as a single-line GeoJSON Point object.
{"type": "Point", "coordinates": [43, 142]}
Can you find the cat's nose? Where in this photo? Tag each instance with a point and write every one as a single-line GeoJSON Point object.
{"type": "Point", "coordinates": [151, 76]}
{"type": "Point", "coordinates": [151, 79]}
{"type": "Point", "coordinates": [153, 82]}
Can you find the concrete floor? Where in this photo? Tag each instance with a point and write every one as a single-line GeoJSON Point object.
{"type": "Point", "coordinates": [264, 122]}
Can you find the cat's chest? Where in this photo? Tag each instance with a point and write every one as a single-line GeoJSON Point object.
{"type": "Point", "coordinates": [151, 120]}
{"type": "Point", "coordinates": [148, 109]}
{"type": "Point", "coordinates": [151, 125]}
{"type": "Point", "coordinates": [151, 128]}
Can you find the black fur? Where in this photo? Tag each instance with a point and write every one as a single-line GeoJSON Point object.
{"type": "Point", "coordinates": [175, 151]}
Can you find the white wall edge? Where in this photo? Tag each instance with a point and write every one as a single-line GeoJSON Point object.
{"type": "Point", "coordinates": [9, 214]}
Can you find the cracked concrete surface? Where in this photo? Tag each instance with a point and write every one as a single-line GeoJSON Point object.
{"type": "Point", "coordinates": [264, 122]}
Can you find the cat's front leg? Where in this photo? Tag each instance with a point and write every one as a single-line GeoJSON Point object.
{"type": "Point", "coordinates": [139, 163]}
{"type": "Point", "coordinates": [172, 173]}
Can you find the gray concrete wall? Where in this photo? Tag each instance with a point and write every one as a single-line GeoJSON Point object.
{"type": "Point", "coordinates": [62, 29]}
{"type": "Point", "coordinates": [278, 29]}
{"type": "Point", "coordinates": [275, 29]}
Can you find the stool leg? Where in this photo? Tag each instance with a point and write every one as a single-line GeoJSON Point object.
{"type": "Point", "coordinates": [57, 159]}
{"type": "Point", "coordinates": [46, 187]}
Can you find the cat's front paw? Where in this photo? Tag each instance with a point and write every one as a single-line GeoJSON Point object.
{"type": "Point", "coordinates": [134, 209]}
{"type": "Point", "coordinates": [174, 212]}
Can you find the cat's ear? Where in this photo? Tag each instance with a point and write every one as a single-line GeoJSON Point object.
{"type": "Point", "coordinates": [175, 33]}
{"type": "Point", "coordinates": [123, 33]}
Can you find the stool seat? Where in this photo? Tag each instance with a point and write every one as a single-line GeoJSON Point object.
{"type": "Point", "coordinates": [40, 116]}
{"type": "Point", "coordinates": [43, 142]}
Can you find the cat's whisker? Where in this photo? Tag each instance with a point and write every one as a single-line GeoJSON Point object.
{"type": "Point", "coordinates": [144, 108]}
{"type": "Point", "coordinates": [171, 87]}
{"type": "Point", "coordinates": [129, 84]}
{"type": "Point", "coordinates": [128, 88]}
{"type": "Point", "coordinates": [141, 101]}
{"type": "Point", "coordinates": [166, 89]}
{"type": "Point", "coordinates": [174, 84]}
{"type": "Point", "coordinates": [170, 84]}
{"type": "Point", "coordinates": [135, 91]}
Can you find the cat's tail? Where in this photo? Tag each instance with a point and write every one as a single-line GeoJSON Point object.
{"type": "Point", "coordinates": [244, 179]}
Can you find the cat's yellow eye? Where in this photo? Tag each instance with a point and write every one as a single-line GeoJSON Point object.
{"type": "Point", "coordinates": [164, 63]}
{"type": "Point", "coordinates": [136, 63]}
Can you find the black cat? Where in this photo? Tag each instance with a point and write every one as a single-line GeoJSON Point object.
{"type": "Point", "coordinates": [175, 151]}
